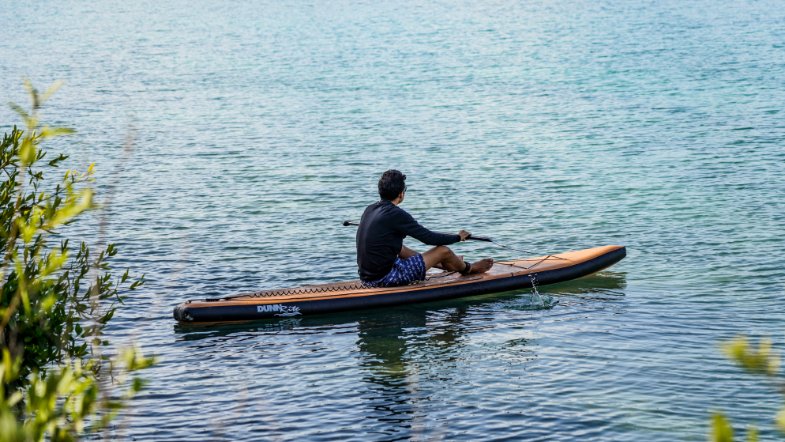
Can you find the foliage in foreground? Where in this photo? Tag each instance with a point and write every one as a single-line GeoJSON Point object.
{"type": "Point", "coordinates": [54, 304]}
{"type": "Point", "coordinates": [760, 361]}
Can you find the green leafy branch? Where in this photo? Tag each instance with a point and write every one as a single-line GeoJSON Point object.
{"type": "Point", "coordinates": [761, 361]}
{"type": "Point", "coordinates": [54, 304]}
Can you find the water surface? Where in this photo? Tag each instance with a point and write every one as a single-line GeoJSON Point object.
{"type": "Point", "coordinates": [258, 127]}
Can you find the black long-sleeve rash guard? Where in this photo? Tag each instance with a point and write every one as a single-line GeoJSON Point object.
{"type": "Point", "coordinates": [380, 238]}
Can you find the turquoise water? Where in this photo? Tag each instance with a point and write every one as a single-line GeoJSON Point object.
{"type": "Point", "coordinates": [257, 128]}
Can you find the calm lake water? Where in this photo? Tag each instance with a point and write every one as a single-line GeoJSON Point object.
{"type": "Point", "coordinates": [257, 127]}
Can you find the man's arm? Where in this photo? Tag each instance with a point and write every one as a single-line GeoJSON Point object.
{"type": "Point", "coordinates": [409, 226]}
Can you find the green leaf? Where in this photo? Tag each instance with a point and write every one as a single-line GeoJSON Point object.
{"type": "Point", "coordinates": [761, 360]}
{"type": "Point", "coordinates": [27, 231]}
{"type": "Point", "coordinates": [51, 90]}
{"type": "Point", "coordinates": [22, 288]}
{"type": "Point", "coordinates": [138, 384]}
{"type": "Point", "coordinates": [27, 152]}
{"type": "Point", "coordinates": [781, 420]}
{"type": "Point", "coordinates": [48, 303]}
{"type": "Point", "coordinates": [752, 434]}
{"type": "Point", "coordinates": [19, 111]}
{"type": "Point", "coordinates": [55, 162]}
{"type": "Point", "coordinates": [54, 261]}
{"type": "Point", "coordinates": [15, 398]}
{"type": "Point", "coordinates": [33, 92]}
{"type": "Point", "coordinates": [28, 85]}
{"type": "Point", "coordinates": [721, 430]}
{"type": "Point", "coordinates": [49, 132]}
{"type": "Point", "coordinates": [76, 204]}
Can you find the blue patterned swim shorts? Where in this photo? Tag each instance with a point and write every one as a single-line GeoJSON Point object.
{"type": "Point", "coordinates": [404, 272]}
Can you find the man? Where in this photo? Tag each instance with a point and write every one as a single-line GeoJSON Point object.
{"type": "Point", "coordinates": [382, 258]}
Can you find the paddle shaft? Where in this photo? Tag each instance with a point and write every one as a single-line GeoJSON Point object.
{"type": "Point", "coordinates": [472, 237]}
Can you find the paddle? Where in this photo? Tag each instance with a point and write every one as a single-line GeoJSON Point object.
{"type": "Point", "coordinates": [472, 237]}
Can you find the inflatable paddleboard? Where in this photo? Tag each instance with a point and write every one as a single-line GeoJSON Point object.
{"type": "Point", "coordinates": [352, 295]}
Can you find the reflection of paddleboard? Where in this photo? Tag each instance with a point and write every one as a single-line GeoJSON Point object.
{"type": "Point", "coordinates": [350, 295]}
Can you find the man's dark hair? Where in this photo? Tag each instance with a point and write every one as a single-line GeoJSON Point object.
{"type": "Point", "coordinates": [391, 184]}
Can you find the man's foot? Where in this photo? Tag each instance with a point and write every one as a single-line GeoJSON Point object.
{"type": "Point", "coordinates": [481, 266]}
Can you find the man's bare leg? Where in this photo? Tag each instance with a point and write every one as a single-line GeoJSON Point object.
{"type": "Point", "coordinates": [408, 253]}
{"type": "Point", "coordinates": [444, 258]}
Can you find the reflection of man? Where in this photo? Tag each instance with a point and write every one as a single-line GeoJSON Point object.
{"type": "Point", "coordinates": [382, 258]}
